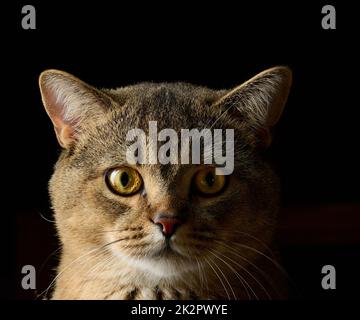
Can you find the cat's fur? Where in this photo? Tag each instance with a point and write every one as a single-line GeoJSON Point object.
{"type": "Point", "coordinates": [224, 239]}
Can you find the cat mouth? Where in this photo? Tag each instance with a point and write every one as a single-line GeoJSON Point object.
{"type": "Point", "coordinates": [167, 251]}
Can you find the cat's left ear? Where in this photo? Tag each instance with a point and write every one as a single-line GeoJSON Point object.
{"type": "Point", "coordinates": [70, 104]}
{"type": "Point", "coordinates": [260, 101]}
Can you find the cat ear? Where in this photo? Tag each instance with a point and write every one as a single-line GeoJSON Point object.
{"type": "Point", "coordinates": [260, 100]}
{"type": "Point", "coordinates": [69, 102]}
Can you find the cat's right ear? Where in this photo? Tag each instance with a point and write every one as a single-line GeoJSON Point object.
{"type": "Point", "coordinates": [69, 102]}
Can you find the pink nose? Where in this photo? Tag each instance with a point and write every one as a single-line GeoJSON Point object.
{"type": "Point", "coordinates": [168, 224]}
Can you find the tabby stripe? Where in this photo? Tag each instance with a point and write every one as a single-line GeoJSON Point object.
{"type": "Point", "coordinates": [193, 295]}
{"type": "Point", "coordinates": [177, 294]}
{"type": "Point", "coordinates": [132, 294]}
{"type": "Point", "coordinates": [158, 293]}
{"type": "Point", "coordinates": [112, 292]}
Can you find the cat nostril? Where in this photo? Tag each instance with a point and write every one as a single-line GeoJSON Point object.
{"type": "Point", "coordinates": [167, 224]}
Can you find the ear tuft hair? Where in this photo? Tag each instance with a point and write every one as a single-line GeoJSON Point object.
{"type": "Point", "coordinates": [260, 100]}
{"type": "Point", "coordinates": [69, 102]}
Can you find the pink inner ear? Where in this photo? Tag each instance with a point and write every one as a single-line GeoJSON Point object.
{"type": "Point", "coordinates": [64, 132]}
{"type": "Point", "coordinates": [64, 129]}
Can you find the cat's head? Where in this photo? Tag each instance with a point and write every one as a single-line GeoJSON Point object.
{"type": "Point", "coordinates": [162, 218]}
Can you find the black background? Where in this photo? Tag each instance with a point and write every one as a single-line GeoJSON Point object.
{"type": "Point", "coordinates": [109, 44]}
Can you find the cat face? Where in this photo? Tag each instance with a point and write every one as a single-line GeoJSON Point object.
{"type": "Point", "coordinates": [162, 219]}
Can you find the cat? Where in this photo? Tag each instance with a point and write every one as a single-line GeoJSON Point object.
{"type": "Point", "coordinates": [173, 231]}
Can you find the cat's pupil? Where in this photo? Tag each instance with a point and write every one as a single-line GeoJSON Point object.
{"type": "Point", "coordinates": [210, 179]}
{"type": "Point", "coordinates": [124, 178]}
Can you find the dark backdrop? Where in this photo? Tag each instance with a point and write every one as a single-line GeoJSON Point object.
{"type": "Point", "coordinates": [109, 45]}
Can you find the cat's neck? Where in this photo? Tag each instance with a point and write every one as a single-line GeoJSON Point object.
{"type": "Point", "coordinates": [103, 276]}
{"type": "Point", "coordinates": [99, 277]}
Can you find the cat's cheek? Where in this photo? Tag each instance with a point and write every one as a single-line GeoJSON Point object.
{"type": "Point", "coordinates": [114, 205]}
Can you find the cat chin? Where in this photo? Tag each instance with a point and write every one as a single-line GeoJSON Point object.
{"type": "Point", "coordinates": [164, 268]}
{"type": "Point", "coordinates": [157, 266]}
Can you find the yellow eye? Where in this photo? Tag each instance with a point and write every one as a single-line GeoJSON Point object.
{"type": "Point", "coordinates": [208, 183]}
{"type": "Point", "coordinates": [124, 181]}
